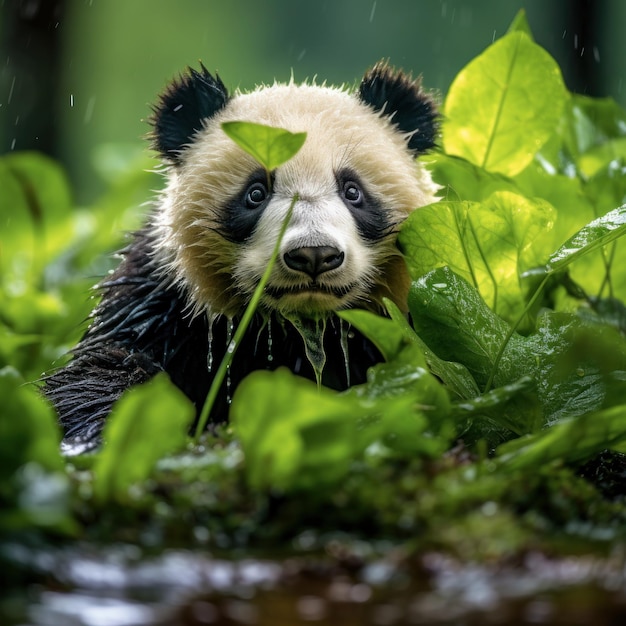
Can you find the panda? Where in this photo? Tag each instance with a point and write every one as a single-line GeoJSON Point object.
{"type": "Point", "coordinates": [186, 277]}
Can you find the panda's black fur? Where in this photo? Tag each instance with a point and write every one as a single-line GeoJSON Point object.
{"type": "Point", "coordinates": [150, 319]}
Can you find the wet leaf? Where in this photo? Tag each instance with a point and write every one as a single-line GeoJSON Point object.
{"type": "Point", "coordinates": [458, 326]}
{"type": "Point", "coordinates": [571, 440]}
{"type": "Point", "coordinates": [594, 235]}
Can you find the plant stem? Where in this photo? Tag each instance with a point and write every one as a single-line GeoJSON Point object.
{"type": "Point", "coordinates": [226, 361]}
{"type": "Point", "coordinates": [513, 328]}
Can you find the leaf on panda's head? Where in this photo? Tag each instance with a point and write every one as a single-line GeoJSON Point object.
{"type": "Point", "coordinates": [270, 146]}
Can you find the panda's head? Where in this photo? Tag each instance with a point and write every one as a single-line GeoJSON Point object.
{"type": "Point", "coordinates": [356, 179]}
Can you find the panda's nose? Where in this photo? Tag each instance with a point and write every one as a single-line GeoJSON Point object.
{"type": "Point", "coordinates": [314, 260]}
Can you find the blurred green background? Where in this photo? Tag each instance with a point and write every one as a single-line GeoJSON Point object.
{"type": "Point", "coordinates": [78, 76]}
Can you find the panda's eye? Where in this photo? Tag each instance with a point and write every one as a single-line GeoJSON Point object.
{"type": "Point", "coordinates": [256, 195]}
{"type": "Point", "coordinates": [352, 193]}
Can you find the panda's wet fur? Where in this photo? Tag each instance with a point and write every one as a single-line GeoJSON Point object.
{"type": "Point", "coordinates": [187, 276]}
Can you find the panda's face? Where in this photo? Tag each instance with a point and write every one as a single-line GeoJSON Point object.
{"type": "Point", "coordinates": [333, 249]}
{"type": "Point", "coordinates": [352, 183]}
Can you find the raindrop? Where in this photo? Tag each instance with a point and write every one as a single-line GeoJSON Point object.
{"type": "Point", "coordinates": [11, 90]}
{"type": "Point", "coordinates": [72, 100]}
{"type": "Point", "coordinates": [596, 54]}
{"type": "Point", "coordinates": [344, 332]}
{"type": "Point", "coordinates": [373, 11]}
{"type": "Point", "coordinates": [270, 341]}
{"type": "Point", "coordinates": [89, 110]}
{"type": "Point", "coordinates": [209, 356]}
{"type": "Point", "coordinates": [230, 327]}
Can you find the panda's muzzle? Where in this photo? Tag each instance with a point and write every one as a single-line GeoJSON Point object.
{"type": "Point", "coordinates": [313, 260]}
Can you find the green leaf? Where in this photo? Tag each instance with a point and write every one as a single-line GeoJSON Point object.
{"type": "Point", "coordinates": [270, 146]}
{"type": "Point", "coordinates": [147, 422]}
{"type": "Point", "coordinates": [520, 24]}
{"type": "Point", "coordinates": [569, 441]}
{"type": "Point", "coordinates": [297, 436]}
{"type": "Point", "coordinates": [462, 180]}
{"type": "Point", "coordinates": [458, 326]}
{"type": "Point", "coordinates": [34, 489]}
{"type": "Point", "coordinates": [391, 337]}
{"type": "Point", "coordinates": [489, 244]}
{"type": "Point", "coordinates": [594, 235]}
{"type": "Point", "coordinates": [29, 432]}
{"type": "Point", "coordinates": [573, 364]}
{"type": "Point", "coordinates": [504, 105]}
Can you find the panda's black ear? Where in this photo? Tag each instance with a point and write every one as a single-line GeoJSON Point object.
{"type": "Point", "coordinates": [401, 98]}
{"type": "Point", "coordinates": [182, 109]}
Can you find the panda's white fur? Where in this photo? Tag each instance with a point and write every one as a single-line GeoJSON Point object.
{"type": "Point", "coordinates": [342, 132]}
{"type": "Point", "coordinates": [187, 276]}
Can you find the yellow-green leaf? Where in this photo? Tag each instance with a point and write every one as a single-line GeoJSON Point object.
{"type": "Point", "coordinates": [504, 105]}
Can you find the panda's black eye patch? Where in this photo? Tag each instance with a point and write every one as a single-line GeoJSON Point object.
{"type": "Point", "coordinates": [367, 210]}
{"type": "Point", "coordinates": [256, 195]}
{"type": "Point", "coordinates": [244, 209]}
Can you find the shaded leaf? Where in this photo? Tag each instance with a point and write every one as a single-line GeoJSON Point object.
{"type": "Point", "coordinates": [147, 422]}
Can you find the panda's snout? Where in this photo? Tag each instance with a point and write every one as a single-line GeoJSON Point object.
{"type": "Point", "coordinates": [314, 260]}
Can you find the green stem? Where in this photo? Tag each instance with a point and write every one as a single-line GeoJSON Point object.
{"type": "Point", "coordinates": [513, 328]}
{"type": "Point", "coordinates": [220, 374]}
{"type": "Point", "coordinates": [461, 229]}
{"type": "Point", "coordinates": [494, 282]}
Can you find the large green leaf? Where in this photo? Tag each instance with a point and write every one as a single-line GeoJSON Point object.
{"type": "Point", "coordinates": [297, 436]}
{"type": "Point", "coordinates": [504, 105]}
{"type": "Point", "coordinates": [571, 363]}
{"type": "Point", "coordinates": [148, 422]}
{"type": "Point", "coordinates": [490, 244]}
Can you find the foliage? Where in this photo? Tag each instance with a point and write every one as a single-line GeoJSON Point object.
{"type": "Point", "coordinates": [516, 347]}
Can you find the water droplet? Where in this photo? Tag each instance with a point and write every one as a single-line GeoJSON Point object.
{"type": "Point", "coordinates": [344, 333]}
{"type": "Point", "coordinates": [312, 333]}
{"type": "Point", "coordinates": [230, 327]}
{"type": "Point", "coordinates": [373, 11]}
{"type": "Point", "coordinates": [270, 341]}
{"type": "Point", "coordinates": [209, 356]}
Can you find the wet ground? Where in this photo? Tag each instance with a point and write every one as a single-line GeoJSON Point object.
{"type": "Point", "coordinates": [120, 586]}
